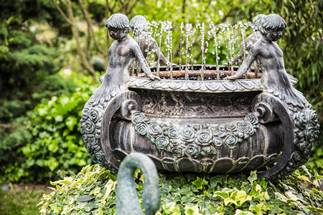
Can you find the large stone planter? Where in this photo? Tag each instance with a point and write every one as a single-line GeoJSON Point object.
{"type": "Point", "coordinates": [203, 124]}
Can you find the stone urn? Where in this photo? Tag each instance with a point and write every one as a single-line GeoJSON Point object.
{"type": "Point", "coordinates": [194, 120]}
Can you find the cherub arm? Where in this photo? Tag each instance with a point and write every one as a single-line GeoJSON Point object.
{"type": "Point", "coordinates": [142, 61]}
{"type": "Point", "coordinates": [236, 58]}
{"type": "Point", "coordinates": [251, 57]}
{"type": "Point", "coordinates": [158, 52]}
{"type": "Point", "coordinates": [246, 46]}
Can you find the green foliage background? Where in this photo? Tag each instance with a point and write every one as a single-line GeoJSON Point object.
{"type": "Point", "coordinates": [20, 201]}
{"type": "Point", "coordinates": [53, 144]}
{"type": "Point", "coordinates": [92, 191]}
{"type": "Point", "coordinates": [45, 79]}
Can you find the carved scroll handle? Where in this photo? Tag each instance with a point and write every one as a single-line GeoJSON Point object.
{"type": "Point", "coordinates": [270, 109]}
{"type": "Point", "coordinates": [127, 108]}
{"type": "Point", "coordinates": [264, 112]}
{"type": "Point", "coordinates": [126, 102]}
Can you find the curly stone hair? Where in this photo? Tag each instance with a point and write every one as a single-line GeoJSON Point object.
{"type": "Point", "coordinates": [139, 22]}
{"type": "Point", "coordinates": [272, 22]}
{"type": "Point", "coordinates": [118, 20]}
{"type": "Point", "coordinates": [257, 21]}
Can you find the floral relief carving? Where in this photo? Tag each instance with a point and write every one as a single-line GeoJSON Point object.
{"type": "Point", "coordinates": [306, 130]}
{"type": "Point", "coordinates": [91, 124]}
{"type": "Point", "coordinates": [194, 140]}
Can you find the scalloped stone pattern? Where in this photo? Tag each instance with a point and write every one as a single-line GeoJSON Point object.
{"type": "Point", "coordinates": [205, 86]}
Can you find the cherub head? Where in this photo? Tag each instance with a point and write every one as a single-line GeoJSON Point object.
{"type": "Point", "coordinates": [118, 26]}
{"type": "Point", "coordinates": [139, 24]}
{"type": "Point", "coordinates": [272, 26]}
{"type": "Point", "coordinates": [256, 22]}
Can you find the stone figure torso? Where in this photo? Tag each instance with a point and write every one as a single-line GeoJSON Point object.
{"type": "Point", "coordinates": [272, 61]}
{"type": "Point", "coordinates": [120, 56]}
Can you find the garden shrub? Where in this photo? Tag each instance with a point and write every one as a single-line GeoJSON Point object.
{"type": "Point", "coordinates": [316, 161]}
{"type": "Point", "coordinates": [26, 68]}
{"type": "Point", "coordinates": [48, 142]}
{"type": "Point", "coordinates": [92, 191]}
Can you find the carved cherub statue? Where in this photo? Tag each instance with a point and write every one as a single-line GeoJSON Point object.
{"type": "Point", "coordinates": [147, 43]}
{"type": "Point", "coordinates": [266, 50]}
{"type": "Point", "coordinates": [251, 39]}
{"type": "Point", "coordinates": [122, 51]}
